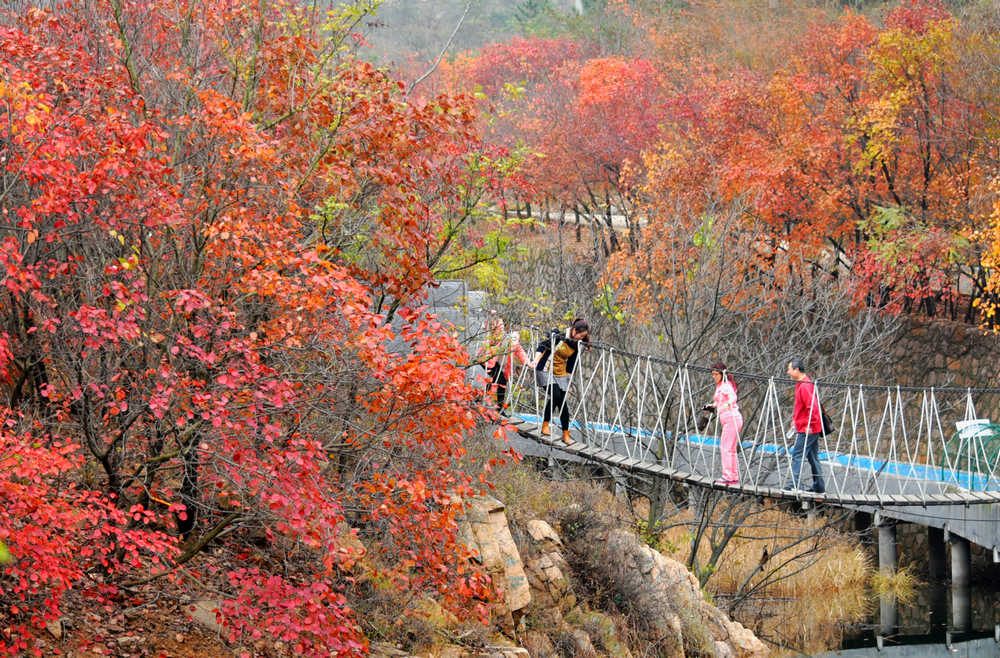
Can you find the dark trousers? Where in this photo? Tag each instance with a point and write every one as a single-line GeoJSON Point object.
{"type": "Point", "coordinates": [499, 379]}
{"type": "Point", "coordinates": [556, 396]}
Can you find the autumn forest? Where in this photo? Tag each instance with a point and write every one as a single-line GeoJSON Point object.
{"type": "Point", "coordinates": [216, 216]}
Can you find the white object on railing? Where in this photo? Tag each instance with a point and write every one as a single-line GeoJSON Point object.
{"type": "Point", "coordinates": [973, 429]}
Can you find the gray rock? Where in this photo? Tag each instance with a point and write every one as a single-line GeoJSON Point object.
{"type": "Point", "coordinates": [203, 613]}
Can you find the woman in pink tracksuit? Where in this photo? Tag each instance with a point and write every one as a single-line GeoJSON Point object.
{"type": "Point", "coordinates": [725, 403]}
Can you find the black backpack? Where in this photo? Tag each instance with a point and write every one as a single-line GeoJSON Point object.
{"type": "Point", "coordinates": [545, 347]}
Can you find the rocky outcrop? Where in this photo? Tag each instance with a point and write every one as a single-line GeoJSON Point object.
{"type": "Point", "coordinates": [669, 599]}
{"type": "Point", "coordinates": [548, 572]}
{"type": "Point", "coordinates": [662, 591]}
{"type": "Point", "coordinates": [484, 529]}
{"type": "Point", "coordinates": [538, 588]}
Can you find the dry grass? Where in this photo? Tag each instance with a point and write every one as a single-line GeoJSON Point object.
{"type": "Point", "coordinates": [529, 494]}
{"type": "Point", "coordinates": [902, 584]}
{"type": "Point", "coordinates": [809, 599]}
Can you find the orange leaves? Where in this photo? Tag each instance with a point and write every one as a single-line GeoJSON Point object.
{"type": "Point", "coordinates": [916, 15]}
{"type": "Point", "coordinates": [852, 117]}
{"type": "Point", "coordinates": [580, 118]}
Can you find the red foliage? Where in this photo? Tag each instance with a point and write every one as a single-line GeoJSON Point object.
{"type": "Point", "coordinates": [916, 15]}
{"type": "Point", "coordinates": [202, 238]}
{"type": "Point", "coordinates": [581, 117]}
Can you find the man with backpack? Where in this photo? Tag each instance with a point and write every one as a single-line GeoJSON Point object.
{"type": "Point", "coordinates": [555, 376]}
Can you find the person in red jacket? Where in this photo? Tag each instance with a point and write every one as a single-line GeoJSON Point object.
{"type": "Point", "coordinates": [807, 419]}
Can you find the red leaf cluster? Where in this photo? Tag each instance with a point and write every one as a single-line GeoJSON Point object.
{"type": "Point", "coordinates": [206, 211]}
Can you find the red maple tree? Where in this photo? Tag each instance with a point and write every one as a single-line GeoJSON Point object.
{"type": "Point", "coordinates": [210, 213]}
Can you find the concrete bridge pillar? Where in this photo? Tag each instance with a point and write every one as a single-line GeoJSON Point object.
{"type": "Point", "coordinates": [961, 561]}
{"type": "Point", "coordinates": [961, 579]}
{"type": "Point", "coordinates": [887, 558]}
{"type": "Point", "coordinates": [887, 561]}
{"type": "Point", "coordinates": [961, 608]}
{"type": "Point", "coordinates": [936, 554]}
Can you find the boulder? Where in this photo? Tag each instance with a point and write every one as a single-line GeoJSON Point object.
{"type": "Point", "coordinates": [539, 645]}
{"type": "Point", "coordinates": [55, 628]}
{"type": "Point", "coordinates": [582, 645]}
{"type": "Point", "coordinates": [549, 584]}
{"type": "Point", "coordinates": [203, 612]}
{"type": "Point", "coordinates": [497, 651]}
{"type": "Point", "coordinates": [602, 631]}
{"type": "Point", "coordinates": [484, 529]}
{"type": "Point", "coordinates": [542, 533]}
{"type": "Point", "coordinates": [669, 599]}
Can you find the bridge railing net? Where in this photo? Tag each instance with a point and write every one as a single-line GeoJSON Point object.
{"type": "Point", "coordinates": [887, 441]}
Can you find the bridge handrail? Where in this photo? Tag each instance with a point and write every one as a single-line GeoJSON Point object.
{"type": "Point", "coordinates": [889, 441]}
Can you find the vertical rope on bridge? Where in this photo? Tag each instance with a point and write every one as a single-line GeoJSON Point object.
{"type": "Point", "coordinates": [780, 430]}
{"type": "Point", "coordinates": [666, 451]}
{"type": "Point", "coordinates": [584, 395]}
{"type": "Point", "coordinates": [931, 457]}
{"type": "Point", "coordinates": [850, 413]}
{"type": "Point", "coordinates": [607, 355]}
{"type": "Point", "coordinates": [643, 393]}
{"type": "Point", "coordinates": [927, 406]}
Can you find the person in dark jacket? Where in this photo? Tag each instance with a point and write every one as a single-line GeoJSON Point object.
{"type": "Point", "coordinates": [556, 374]}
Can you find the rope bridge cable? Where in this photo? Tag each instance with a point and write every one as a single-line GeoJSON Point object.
{"type": "Point", "coordinates": [892, 444]}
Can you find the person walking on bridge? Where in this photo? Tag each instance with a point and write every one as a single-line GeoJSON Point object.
{"type": "Point", "coordinates": [501, 348]}
{"type": "Point", "coordinates": [808, 422]}
{"type": "Point", "coordinates": [725, 403]}
{"type": "Point", "coordinates": [557, 377]}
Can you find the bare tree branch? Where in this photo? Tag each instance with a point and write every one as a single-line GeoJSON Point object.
{"type": "Point", "coordinates": [447, 45]}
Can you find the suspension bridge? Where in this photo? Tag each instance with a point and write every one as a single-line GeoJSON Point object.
{"type": "Point", "coordinates": [923, 455]}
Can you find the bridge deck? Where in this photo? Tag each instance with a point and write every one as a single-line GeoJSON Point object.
{"type": "Point", "coordinates": [979, 522]}
{"type": "Point", "coordinates": [528, 428]}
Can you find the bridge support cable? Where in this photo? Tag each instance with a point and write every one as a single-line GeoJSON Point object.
{"type": "Point", "coordinates": [644, 393]}
{"type": "Point", "coordinates": [909, 450]}
{"type": "Point", "coordinates": [621, 410]}
{"type": "Point", "coordinates": [585, 385]}
{"type": "Point", "coordinates": [974, 444]}
{"type": "Point", "coordinates": [847, 438]}
{"type": "Point", "coordinates": [665, 452]}
{"type": "Point", "coordinates": [778, 425]}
